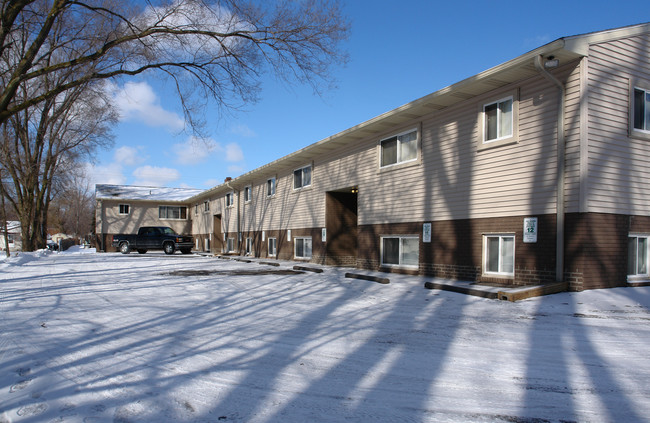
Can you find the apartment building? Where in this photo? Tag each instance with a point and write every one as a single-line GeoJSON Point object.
{"type": "Point", "coordinates": [530, 172]}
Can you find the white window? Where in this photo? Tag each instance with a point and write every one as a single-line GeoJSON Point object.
{"type": "Point", "coordinates": [248, 194]}
{"type": "Point", "coordinates": [230, 199]}
{"type": "Point", "coordinates": [497, 120]}
{"type": "Point", "coordinates": [196, 210]}
{"type": "Point", "coordinates": [637, 255]}
{"type": "Point", "coordinates": [402, 251]}
{"type": "Point", "coordinates": [641, 110]}
{"type": "Point", "coordinates": [230, 245]}
{"type": "Point", "coordinates": [172, 212]}
{"type": "Point", "coordinates": [270, 187]}
{"type": "Point", "coordinates": [249, 246]}
{"type": "Point", "coordinates": [206, 206]}
{"type": "Point", "coordinates": [302, 177]}
{"type": "Point", "coordinates": [273, 247]}
{"type": "Point", "coordinates": [499, 254]}
{"type": "Point", "coordinates": [302, 247]}
{"type": "Point", "coordinates": [124, 209]}
{"type": "Point", "coordinates": [399, 148]}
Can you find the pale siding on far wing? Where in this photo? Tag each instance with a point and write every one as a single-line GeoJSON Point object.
{"type": "Point", "coordinates": [618, 164]}
{"type": "Point", "coordinates": [140, 214]}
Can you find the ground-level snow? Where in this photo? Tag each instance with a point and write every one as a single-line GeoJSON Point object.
{"type": "Point", "coordinates": [154, 338]}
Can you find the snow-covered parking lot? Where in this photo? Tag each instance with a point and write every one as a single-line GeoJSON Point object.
{"type": "Point", "coordinates": [88, 337]}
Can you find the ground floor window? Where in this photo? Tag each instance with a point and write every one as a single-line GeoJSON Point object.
{"type": "Point", "coordinates": [302, 247]}
{"type": "Point", "coordinates": [499, 254]}
{"type": "Point", "coordinates": [637, 255]}
{"type": "Point", "coordinates": [400, 251]}
{"type": "Point", "coordinates": [273, 247]}
{"type": "Point", "coordinates": [230, 245]}
{"type": "Point", "coordinates": [249, 246]}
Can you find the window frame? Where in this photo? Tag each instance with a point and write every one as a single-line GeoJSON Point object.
{"type": "Point", "coordinates": [500, 272]}
{"type": "Point", "coordinates": [398, 161]}
{"type": "Point", "coordinates": [121, 206]}
{"type": "Point", "coordinates": [206, 206]}
{"type": "Point", "coordinates": [634, 131]}
{"type": "Point", "coordinates": [483, 143]}
{"type": "Point", "coordinates": [302, 178]}
{"type": "Point", "coordinates": [248, 194]}
{"type": "Point", "coordinates": [272, 252]}
{"type": "Point", "coordinates": [295, 247]}
{"type": "Point", "coordinates": [230, 245]}
{"type": "Point", "coordinates": [182, 211]}
{"type": "Point", "coordinates": [229, 199]}
{"type": "Point", "coordinates": [638, 275]}
{"type": "Point", "coordinates": [400, 264]}
{"type": "Point", "coordinates": [271, 185]}
{"type": "Point", "coordinates": [249, 246]}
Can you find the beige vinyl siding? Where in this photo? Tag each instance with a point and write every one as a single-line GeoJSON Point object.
{"type": "Point", "coordinates": [455, 181]}
{"type": "Point", "coordinates": [141, 214]}
{"type": "Point", "coordinates": [618, 163]}
{"type": "Point", "coordinates": [574, 170]}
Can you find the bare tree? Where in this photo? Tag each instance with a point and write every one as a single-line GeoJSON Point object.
{"type": "Point", "coordinates": [72, 210]}
{"type": "Point", "coordinates": [209, 48]}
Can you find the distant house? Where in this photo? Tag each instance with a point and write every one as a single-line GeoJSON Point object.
{"type": "Point", "coordinates": [14, 235]}
{"type": "Point", "coordinates": [534, 171]}
{"type": "Point", "coordinates": [123, 209]}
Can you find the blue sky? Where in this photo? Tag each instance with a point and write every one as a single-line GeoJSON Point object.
{"type": "Point", "coordinates": [399, 51]}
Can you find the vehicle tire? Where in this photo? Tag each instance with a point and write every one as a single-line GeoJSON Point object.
{"type": "Point", "coordinates": [142, 251]}
{"type": "Point", "coordinates": [186, 250]}
{"type": "Point", "coordinates": [125, 248]}
{"type": "Point", "coordinates": [168, 247]}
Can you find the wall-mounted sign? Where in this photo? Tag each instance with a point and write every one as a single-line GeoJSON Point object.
{"type": "Point", "coordinates": [426, 232]}
{"type": "Point", "coordinates": [530, 229]}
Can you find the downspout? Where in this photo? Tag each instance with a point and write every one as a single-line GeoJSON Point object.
{"type": "Point", "coordinates": [560, 213]}
{"type": "Point", "coordinates": [238, 219]}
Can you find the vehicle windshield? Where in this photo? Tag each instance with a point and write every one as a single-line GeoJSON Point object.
{"type": "Point", "coordinates": [168, 231]}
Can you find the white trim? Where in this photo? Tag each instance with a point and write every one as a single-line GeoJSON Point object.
{"type": "Point", "coordinates": [311, 177]}
{"type": "Point", "coordinates": [399, 162]}
{"type": "Point", "coordinates": [399, 265]}
{"type": "Point", "coordinates": [512, 119]}
{"type": "Point", "coordinates": [119, 209]}
{"type": "Point", "coordinates": [500, 272]}
{"type": "Point", "coordinates": [274, 185]}
{"type": "Point", "coordinates": [230, 195]}
{"type": "Point", "coordinates": [311, 247]}
{"type": "Point", "coordinates": [639, 276]}
{"type": "Point", "coordinates": [248, 192]}
{"type": "Point", "coordinates": [275, 249]}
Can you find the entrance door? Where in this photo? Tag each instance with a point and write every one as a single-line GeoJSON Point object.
{"type": "Point", "coordinates": [341, 221]}
{"type": "Point", "coordinates": [217, 236]}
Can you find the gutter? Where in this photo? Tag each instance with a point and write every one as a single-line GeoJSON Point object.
{"type": "Point", "coordinates": [560, 212]}
{"type": "Point", "coordinates": [238, 212]}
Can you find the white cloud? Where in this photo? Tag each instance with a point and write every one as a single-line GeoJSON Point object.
{"type": "Point", "coordinates": [155, 176]}
{"type": "Point", "coordinates": [210, 183]}
{"type": "Point", "coordinates": [137, 101]}
{"type": "Point", "coordinates": [234, 153]}
{"type": "Point", "coordinates": [243, 131]}
{"type": "Point", "coordinates": [236, 170]}
{"type": "Point", "coordinates": [195, 150]}
{"type": "Point", "coordinates": [129, 156]}
{"type": "Point", "coordinates": [111, 174]}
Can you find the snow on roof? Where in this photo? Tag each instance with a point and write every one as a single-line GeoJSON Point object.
{"type": "Point", "coordinates": [13, 226]}
{"type": "Point", "coordinates": [131, 192]}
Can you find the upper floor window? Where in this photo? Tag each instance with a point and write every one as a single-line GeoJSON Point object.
{"type": "Point", "coordinates": [124, 209]}
{"type": "Point", "coordinates": [641, 109]}
{"type": "Point", "coordinates": [302, 177]}
{"type": "Point", "coordinates": [497, 120]}
{"type": "Point", "coordinates": [230, 199]}
{"type": "Point", "coordinates": [399, 148]}
{"type": "Point", "coordinates": [248, 194]}
{"type": "Point", "coordinates": [196, 211]}
{"type": "Point", "coordinates": [270, 187]}
{"type": "Point", "coordinates": [206, 206]}
{"type": "Point", "coordinates": [172, 212]}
